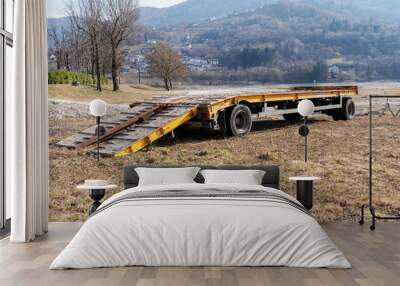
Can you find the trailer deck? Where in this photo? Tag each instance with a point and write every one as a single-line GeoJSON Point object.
{"type": "Point", "coordinates": [148, 121]}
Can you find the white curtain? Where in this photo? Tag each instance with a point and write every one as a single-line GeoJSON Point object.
{"type": "Point", "coordinates": [27, 124]}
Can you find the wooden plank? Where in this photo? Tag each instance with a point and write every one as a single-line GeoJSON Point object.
{"type": "Point", "coordinates": [71, 141]}
{"type": "Point", "coordinates": [124, 139]}
{"type": "Point", "coordinates": [158, 133]}
{"type": "Point", "coordinates": [74, 140]}
{"type": "Point", "coordinates": [113, 146]}
{"type": "Point", "coordinates": [112, 131]}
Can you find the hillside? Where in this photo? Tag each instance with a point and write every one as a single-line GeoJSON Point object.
{"type": "Point", "coordinates": [289, 37]}
{"type": "Point", "coordinates": [193, 11]}
{"type": "Point", "coordinates": [304, 23]}
{"type": "Point", "coordinates": [384, 9]}
{"type": "Point", "coordinates": [56, 24]}
{"type": "Point", "coordinates": [200, 11]}
{"type": "Point", "coordinates": [281, 40]}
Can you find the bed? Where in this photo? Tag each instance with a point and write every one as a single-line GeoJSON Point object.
{"type": "Point", "coordinates": [198, 224]}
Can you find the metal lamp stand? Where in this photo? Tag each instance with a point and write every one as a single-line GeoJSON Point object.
{"type": "Point", "coordinates": [98, 138]}
{"type": "Point", "coordinates": [306, 140]}
{"type": "Point", "coordinates": [304, 131]}
{"type": "Point", "coordinates": [370, 203]}
{"type": "Point", "coordinates": [100, 131]}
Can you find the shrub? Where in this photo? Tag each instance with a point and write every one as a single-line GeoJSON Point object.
{"type": "Point", "coordinates": [68, 77]}
{"type": "Point", "coordinates": [266, 157]}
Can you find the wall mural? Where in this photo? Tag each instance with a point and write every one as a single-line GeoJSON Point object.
{"type": "Point", "coordinates": [223, 89]}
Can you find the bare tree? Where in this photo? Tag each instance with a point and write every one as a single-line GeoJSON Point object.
{"type": "Point", "coordinates": [139, 69]}
{"type": "Point", "coordinates": [119, 23]}
{"type": "Point", "coordinates": [61, 47]}
{"type": "Point", "coordinates": [53, 34]}
{"type": "Point", "coordinates": [77, 49]}
{"type": "Point", "coordinates": [165, 64]}
{"type": "Point", "coordinates": [85, 15]}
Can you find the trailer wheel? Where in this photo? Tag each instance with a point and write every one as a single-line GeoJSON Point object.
{"type": "Point", "coordinates": [349, 109]}
{"type": "Point", "coordinates": [346, 112]}
{"type": "Point", "coordinates": [294, 117]}
{"type": "Point", "coordinates": [240, 121]}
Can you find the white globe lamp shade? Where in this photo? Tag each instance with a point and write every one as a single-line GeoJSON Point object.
{"type": "Point", "coordinates": [306, 108]}
{"type": "Point", "coordinates": [98, 108]}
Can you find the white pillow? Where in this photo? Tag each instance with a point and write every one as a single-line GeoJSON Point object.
{"type": "Point", "coordinates": [242, 177]}
{"type": "Point", "coordinates": [166, 176]}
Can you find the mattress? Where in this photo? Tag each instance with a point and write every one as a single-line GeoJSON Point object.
{"type": "Point", "coordinates": [201, 225]}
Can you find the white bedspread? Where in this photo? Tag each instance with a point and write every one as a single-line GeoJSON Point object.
{"type": "Point", "coordinates": [200, 232]}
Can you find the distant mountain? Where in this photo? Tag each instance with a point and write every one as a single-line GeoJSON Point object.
{"type": "Point", "coordinates": [282, 41]}
{"type": "Point", "coordinates": [385, 9]}
{"type": "Point", "coordinates": [193, 11]}
{"type": "Point", "coordinates": [320, 27]}
{"type": "Point", "coordinates": [58, 22]}
{"type": "Point", "coordinates": [196, 11]}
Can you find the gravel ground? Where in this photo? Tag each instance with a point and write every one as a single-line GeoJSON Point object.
{"type": "Point", "coordinates": [59, 109]}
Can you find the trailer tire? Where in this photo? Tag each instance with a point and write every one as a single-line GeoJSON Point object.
{"type": "Point", "coordinates": [348, 109]}
{"type": "Point", "coordinates": [240, 121]}
{"type": "Point", "coordinates": [294, 117]}
{"type": "Point", "coordinates": [346, 112]}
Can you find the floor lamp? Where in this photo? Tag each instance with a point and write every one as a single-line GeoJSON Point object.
{"type": "Point", "coordinates": [98, 108]}
{"type": "Point", "coordinates": [370, 204]}
{"type": "Point", "coordinates": [305, 109]}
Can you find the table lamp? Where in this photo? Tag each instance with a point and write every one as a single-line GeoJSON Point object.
{"type": "Point", "coordinates": [98, 108]}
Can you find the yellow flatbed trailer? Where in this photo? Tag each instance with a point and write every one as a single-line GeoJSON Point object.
{"type": "Point", "coordinates": [148, 121]}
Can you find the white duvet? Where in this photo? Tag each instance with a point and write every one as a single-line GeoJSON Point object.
{"type": "Point", "coordinates": [200, 232]}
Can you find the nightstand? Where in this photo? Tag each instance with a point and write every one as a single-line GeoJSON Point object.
{"type": "Point", "coordinates": [97, 191]}
{"type": "Point", "coordinates": [305, 187]}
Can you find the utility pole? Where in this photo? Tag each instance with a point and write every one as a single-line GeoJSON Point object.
{"type": "Point", "coordinates": [139, 69]}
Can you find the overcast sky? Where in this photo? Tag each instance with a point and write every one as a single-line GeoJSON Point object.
{"type": "Point", "coordinates": [56, 8]}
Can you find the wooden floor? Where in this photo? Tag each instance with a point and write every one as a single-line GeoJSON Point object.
{"type": "Point", "coordinates": [375, 257]}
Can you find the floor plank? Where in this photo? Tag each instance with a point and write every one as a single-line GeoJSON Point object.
{"type": "Point", "coordinates": [375, 257]}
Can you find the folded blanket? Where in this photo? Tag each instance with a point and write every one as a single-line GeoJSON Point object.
{"type": "Point", "coordinates": [207, 194]}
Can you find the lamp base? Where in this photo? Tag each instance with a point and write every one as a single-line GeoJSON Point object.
{"type": "Point", "coordinates": [101, 130]}
{"type": "Point", "coordinates": [304, 131]}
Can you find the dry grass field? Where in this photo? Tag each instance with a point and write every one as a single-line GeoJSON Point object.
{"type": "Point", "coordinates": [127, 94]}
{"type": "Point", "coordinates": [338, 154]}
